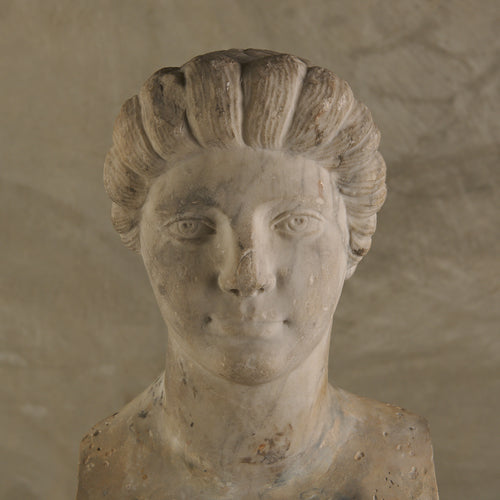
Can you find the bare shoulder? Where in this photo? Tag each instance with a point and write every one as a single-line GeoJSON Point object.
{"type": "Point", "coordinates": [109, 451]}
{"type": "Point", "coordinates": [389, 449]}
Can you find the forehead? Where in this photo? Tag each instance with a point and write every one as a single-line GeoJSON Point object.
{"type": "Point", "coordinates": [233, 178]}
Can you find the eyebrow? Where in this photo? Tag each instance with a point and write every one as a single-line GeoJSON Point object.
{"type": "Point", "coordinates": [301, 201]}
{"type": "Point", "coordinates": [192, 200]}
{"type": "Point", "coordinates": [200, 201]}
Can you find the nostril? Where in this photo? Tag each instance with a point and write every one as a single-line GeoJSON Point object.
{"type": "Point", "coordinates": [262, 289]}
{"type": "Point", "coordinates": [235, 291]}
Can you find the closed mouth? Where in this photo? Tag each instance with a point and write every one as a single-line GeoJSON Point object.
{"type": "Point", "coordinates": [260, 319]}
{"type": "Point", "coordinates": [253, 326]}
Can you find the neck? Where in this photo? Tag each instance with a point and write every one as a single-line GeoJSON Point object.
{"type": "Point", "coordinates": [220, 425]}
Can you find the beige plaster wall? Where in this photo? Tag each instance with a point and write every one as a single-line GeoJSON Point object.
{"type": "Point", "coordinates": [418, 324]}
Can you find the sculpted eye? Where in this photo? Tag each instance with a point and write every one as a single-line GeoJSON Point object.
{"type": "Point", "coordinates": [297, 224]}
{"type": "Point", "coordinates": [190, 229]}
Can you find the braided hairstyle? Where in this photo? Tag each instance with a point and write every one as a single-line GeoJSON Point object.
{"type": "Point", "coordinates": [258, 98]}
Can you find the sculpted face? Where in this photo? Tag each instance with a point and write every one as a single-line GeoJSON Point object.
{"type": "Point", "coordinates": [246, 251]}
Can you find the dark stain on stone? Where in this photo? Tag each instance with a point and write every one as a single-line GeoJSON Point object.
{"type": "Point", "coordinates": [274, 449]}
{"type": "Point", "coordinates": [184, 376]}
{"type": "Point", "coordinates": [359, 251]}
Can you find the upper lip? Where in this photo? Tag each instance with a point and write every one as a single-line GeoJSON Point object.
{"type": "Point", "coordinates": [245, 326]}
{"type": "Point", "coordinates": [250, 319]}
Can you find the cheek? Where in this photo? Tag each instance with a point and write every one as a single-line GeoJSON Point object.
{"type": "Point", "coordinates": [318, 277]}
{"type": "Point", "coordinates": [176, 275]}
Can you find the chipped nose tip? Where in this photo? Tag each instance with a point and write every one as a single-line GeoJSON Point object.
{"type": "Point", "coordinates": [247, 292]}
{"type": "Point", "coordinates": [246, 280]}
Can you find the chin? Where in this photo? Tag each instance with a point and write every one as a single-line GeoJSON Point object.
{"type": "Point", "coordinates": [251, 377]}
{"type": "Point", "coordinates": [255, 368]}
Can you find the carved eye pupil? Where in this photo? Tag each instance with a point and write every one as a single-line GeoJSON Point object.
{"type": "Point", "coordinates": [188, 227]}
{"type": "Point", "coordinates": [297, 223]}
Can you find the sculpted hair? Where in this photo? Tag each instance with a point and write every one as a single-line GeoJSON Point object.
{"type": "Point", "coordinates": [256, 98]}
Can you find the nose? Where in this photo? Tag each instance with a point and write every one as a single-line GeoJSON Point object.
{"type": "Point", "coordinates": [248, 276]}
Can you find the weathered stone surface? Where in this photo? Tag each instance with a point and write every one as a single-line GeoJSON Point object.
{"type": "Point", "coordinates": [247, 240]}
{"type": "Point", "coordinates": [80, 331]}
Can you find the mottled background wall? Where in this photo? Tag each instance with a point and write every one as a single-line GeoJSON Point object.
{"type": "Point", "coordinates": [418, 324]}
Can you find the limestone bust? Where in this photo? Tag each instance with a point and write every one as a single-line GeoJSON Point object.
{"type": "Point", "coordinates": [249, 182]}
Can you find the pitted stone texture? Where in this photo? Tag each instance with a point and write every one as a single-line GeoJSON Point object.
{"type": "Point", "coordinates": [80, 331]}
